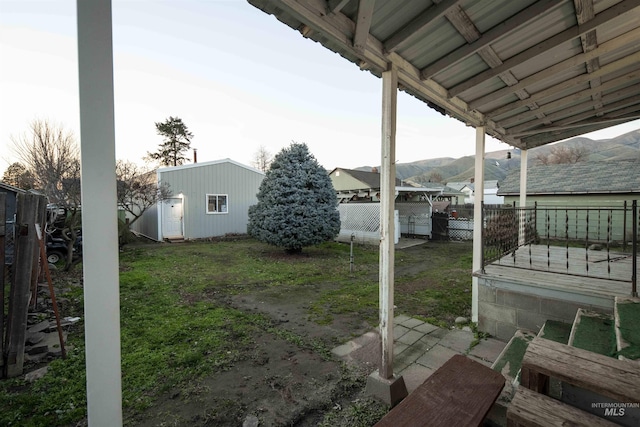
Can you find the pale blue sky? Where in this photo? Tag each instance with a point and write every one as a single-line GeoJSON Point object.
{"type": "Point", "coordinates": [237, 77]}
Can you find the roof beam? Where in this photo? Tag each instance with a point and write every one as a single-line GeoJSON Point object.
{"type": "Point", "coordinates": [546, 138]}
{"type": "Point", "coordinates": [335, 6]}
{"type": "Point", "coordinates": [560, 87]}
{"type": "Point", "coordinates": [604, 119]}
{"type": "Point", "coordinates": [363, 24]}
{"type": "Point", "coordinates": [418, 24]}
{"type": "Point", "coordinates": [461, 21]}
{"type": "Point", "coordinates": [584, 13]}
{"type": "Point", "coordinates": [577, 112]}
{"type": "Point", "coordinates": [499, 31]}
{"type": "Point", "coordinates": [546, 45]}
{"type": "Point", "coordinates": [627, 38]}
{"type": "Point", "coordinates": [578, 96]}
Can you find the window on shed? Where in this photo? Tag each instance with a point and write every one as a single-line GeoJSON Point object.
{"type": "Point", "coordinates": [217, 204]}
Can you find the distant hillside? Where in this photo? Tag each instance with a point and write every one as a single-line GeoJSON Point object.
{"type": "Point", "coordinates": [497, 165]}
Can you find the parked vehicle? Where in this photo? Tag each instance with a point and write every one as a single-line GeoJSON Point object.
{"type": "Point", "coordinates": [57, 248]}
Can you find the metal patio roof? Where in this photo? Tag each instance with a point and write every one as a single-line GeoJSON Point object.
{"type": "Point", "coordinates": [532, 72]}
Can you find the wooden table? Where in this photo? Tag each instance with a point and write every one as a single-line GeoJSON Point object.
{"type": "Point", "coordinates": [460, 393]}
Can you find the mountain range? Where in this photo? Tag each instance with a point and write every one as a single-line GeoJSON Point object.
{"type": "Point", "coordinates": [499, 163]}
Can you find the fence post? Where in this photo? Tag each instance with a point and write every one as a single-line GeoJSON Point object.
{"type": "Point", "coordinates": [624, 227]}
{"type": "Point", "coordinates": [3, 222]}
{"type": "Point", "coordinates": [634, 262]}
{"type": "Point", "coordinates": [19, 295]}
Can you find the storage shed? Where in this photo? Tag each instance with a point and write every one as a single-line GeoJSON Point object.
{"type": "Point", "coordinates": [208, 199]}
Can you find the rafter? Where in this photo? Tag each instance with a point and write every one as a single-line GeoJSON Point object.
{"type": "Point", "coordinates": [561, 87]}
{"type": "Point", "coordinates": [578, 112]}
{"type": "Point", "coordinates": [463, 24]}
{"type": "Point", "coordinates": [547, 137]}
{"type": "Point", "coordinates": [418, 24]}
{"type": "Point", "coordinates": [599, 120]}
{"type": "Point", "coordinates": [552, 42]}
{"type": "Point", "coordinates": [363, 23]}
{"type": "Point", "coordinates": [580, 95]}
{"type": "Point", "coordinates": [625, 39]}
{"type": "Point", "coordinates": [499, 31]}
{"type": "Point", "coordinates": [335, 6]}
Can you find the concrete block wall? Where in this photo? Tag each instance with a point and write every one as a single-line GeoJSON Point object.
{"type": "Point", "coordinates": [502, 311]}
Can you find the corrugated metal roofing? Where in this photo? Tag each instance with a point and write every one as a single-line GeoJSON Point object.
{"type": "Point", "coordinates": [622, 176]}
{"type": "Point", "coordinates": [532, 72]}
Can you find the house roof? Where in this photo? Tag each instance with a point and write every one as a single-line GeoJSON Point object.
{"type": "Point", "coordinates": [532, 72]}
{"type": "Point", "coordinates": [11, 188]}
{"type": "Point", "coordinates": [203, 164]}
{"type": "Point", "coordinates": [370, 179]}
{"type": "Point", "coordinates": [620, 176]}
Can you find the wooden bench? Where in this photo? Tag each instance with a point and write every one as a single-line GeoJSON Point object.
{"type": "Point", "coordinates": [529, 409]}
{"type": "Point", "coordinates": [607, 376]}
{"type": "Point", "coordinates": [460, 393]}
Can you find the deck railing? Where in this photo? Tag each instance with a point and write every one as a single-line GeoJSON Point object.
{"type": "Point", "coordinates": [576, 238]}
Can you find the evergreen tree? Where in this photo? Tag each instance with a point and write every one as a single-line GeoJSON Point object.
{"type": "Point", "coordinates": [177, 140]}
{"type": "Point", "coordinates": [297, 205]}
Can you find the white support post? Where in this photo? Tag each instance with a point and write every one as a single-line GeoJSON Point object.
{"type": "Point", "coordinates": [99, 213]}
{"type": "Point", "coordinates": [477, 218]}
{"type": "Point", "coordinates": [387, 228]}
{"type": "Point", "coordinates": [383, 383]}
{"type": "Point", "coordinates": [524, 154]}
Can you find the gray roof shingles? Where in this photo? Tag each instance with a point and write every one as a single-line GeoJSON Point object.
{"type": "Point", "coordinates": [619, 176]}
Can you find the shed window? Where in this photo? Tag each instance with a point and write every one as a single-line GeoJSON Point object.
{"type": "Point", "coordinates": [217, 204]}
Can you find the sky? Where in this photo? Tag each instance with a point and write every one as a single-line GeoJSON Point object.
{"type": "Point", "coordinates": [237, 77]}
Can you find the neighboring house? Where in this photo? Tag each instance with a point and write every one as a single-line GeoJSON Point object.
{"type": "Point", "coordinates": [414, 204]}
{"type": "Point", "coordinates": [607, 183]}
{"type": "Point", "coordinates": [579, 200]}
{"type": "Point", "coordinates": [11, 204]}
{"type": "Point", "coordinates": [208, 199]}
{"type": "Point", "coordinates": [491, 196]}
{"type": "Point", "coordinates": [357, 186]}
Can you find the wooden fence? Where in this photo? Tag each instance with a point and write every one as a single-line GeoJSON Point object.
{"type": "Point", "coordinates": [22, 274]}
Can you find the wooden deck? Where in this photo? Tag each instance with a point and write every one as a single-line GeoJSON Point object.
{"type": "Point", "coordinates": [588, 271]}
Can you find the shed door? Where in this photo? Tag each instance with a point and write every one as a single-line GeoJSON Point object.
{"type": "Point", "coordinates": [172, 218]}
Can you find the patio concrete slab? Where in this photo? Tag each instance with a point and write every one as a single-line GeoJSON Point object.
{"type": "Point", "coordinates": [419, 349]}
{"type": "Point", "coordinates": [414, 375]}
{"type": "Point", "coordinates": [400, 319]}
{"type": "Point", "coordinates": [412, 323]}
{"type": "Point", "coordinates": [399, 331]}
{"type": "Point", "coordinates": [488, 349]}
{"type": "Point", "coordinates": [426, 328]}
{"type": "Point", "coordinates": [410, 337]}
{"type": "Point", "coordinates": [457, 340]}
{"type": "Point", "coordinates": [436, 357]}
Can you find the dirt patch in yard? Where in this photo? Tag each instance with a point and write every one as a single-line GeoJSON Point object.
{"type": "Point", "coordinates": [279, 381]}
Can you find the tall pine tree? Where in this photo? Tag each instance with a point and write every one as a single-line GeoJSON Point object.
{"type": "Point", "coordinates": [297, 205]}
{"type": "Point", "coordinates": [177, 140]}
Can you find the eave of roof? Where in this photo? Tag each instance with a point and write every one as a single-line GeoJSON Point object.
{"type": "Point", "coordinates": [531, 72]}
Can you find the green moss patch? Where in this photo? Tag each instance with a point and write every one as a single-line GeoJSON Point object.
{"type": "Point", "coordinates": [629, 314]}
{"type": "Point", "coordinates": [557, 331]}
{"type": "Point", "coordinates": [595, 333]}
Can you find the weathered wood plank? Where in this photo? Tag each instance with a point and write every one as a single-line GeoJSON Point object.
{"type": "Point", "coordinates": [25, 246]}
{"type": "Point", "coordinates": [617, 379]}
{"type": "Point", "coordinates": [460, 393]}
{"type": "Point", "coordinates": [3, 221]}
{"type": "Point", "coordinates": [529, 409]}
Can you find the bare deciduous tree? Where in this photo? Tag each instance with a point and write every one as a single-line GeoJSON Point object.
{"type": "Point", "coordinates": [262, 159]}
{"type": "Point", "coordinates": [137, 189]}
{"type": "Point", "coordinates": [563, 155]}
{"type": "Point", "coordinates": [52, 156]}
